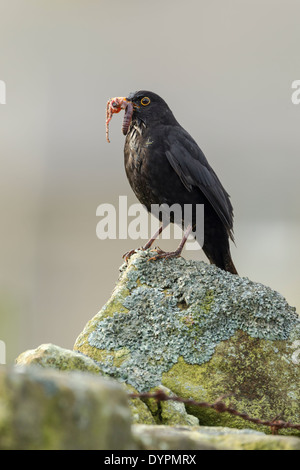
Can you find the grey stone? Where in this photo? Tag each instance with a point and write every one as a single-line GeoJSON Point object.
{"type": "Point", "coordinates": [164, 437]}
{"type": "Point", "coordinates": [169, 412]}
{"type": "Point", "coordinates": [46, 409]}
{"type": "Point", "coordinates": [208, 438]}
{"type": "Point", "coordinates": [52, 356]}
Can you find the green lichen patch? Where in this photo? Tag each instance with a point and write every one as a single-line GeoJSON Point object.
{"type": "Point", "coordinates": [252, 373]}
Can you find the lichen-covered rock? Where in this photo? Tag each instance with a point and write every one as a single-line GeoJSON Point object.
{"type": "Point", "coordinates": [55, 357]}
{"type": "Point", "coordinates": [140, 412]}
{"type": "Point", "coordinates": [202, 333]}
{"type": "Point", "coordinates": [208, 438]}
{"type": "Point", "coordinates": [46, 409]}
{"type": "Point", "coordinates": [169, 412]}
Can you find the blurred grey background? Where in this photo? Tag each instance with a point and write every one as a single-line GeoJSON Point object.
{"type": "Point", "coordinates": [225, 67]}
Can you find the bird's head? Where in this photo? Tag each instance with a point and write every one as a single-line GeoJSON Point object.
{"type": "Point", "coordinates": [141, 106]}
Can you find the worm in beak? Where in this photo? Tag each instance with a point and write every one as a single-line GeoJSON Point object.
{"type": "Point", "coordinates": [114, 105]}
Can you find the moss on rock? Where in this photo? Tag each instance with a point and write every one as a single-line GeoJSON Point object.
{"type": "Point", "coordinates": [46, 409]}
{"type": "Point", "coordinates": [251, 372]}
{"type": "Point", "coordinates": [140, 411]}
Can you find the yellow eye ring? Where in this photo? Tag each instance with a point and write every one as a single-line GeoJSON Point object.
{"type": "Point", "coordinates": [145, 101]}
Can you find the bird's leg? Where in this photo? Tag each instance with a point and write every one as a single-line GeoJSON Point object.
{"type": "Point", "coordinates": [149, 243]}
{"type": "Point", "coordinates": [177, 252]}
{"type": "Point", "coordinates": [154, 237]}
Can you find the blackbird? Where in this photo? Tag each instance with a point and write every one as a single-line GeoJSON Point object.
{"type": "Point", "coordinates": [164, 165]}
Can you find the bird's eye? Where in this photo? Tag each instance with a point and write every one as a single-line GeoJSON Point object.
{"type": "Point", "coordinates": [145, 101]}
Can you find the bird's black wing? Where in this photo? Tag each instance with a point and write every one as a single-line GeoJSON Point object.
{"type": "Point", "coordinates": [190, 164]}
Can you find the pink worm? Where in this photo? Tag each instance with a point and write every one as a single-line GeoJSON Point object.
{"type": "Point", "coordinates": [127, 118]}
{"type": "Point", "coordinates": [115, 105]}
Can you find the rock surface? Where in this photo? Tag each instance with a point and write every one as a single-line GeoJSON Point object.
{"type": "Point", "coordinates": [185, 327]}
{"type": "Point", "coordinates": [169, 412]}
{"type": "Point", "coordinates": [208, 438]}
{"type": "Point", "coordinates": [47, 409]}
{"type": "Point", "coordinates": [55, 357]}
{"type": "Point", "coordinates": [50, 410]}
{"type": "Point", "coordinates": [202, 333]}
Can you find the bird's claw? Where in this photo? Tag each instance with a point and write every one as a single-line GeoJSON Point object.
{"type": "Point", "coordinates": [129, 253]}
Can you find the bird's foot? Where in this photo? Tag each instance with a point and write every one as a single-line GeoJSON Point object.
{"type": "Point", "coordinates": [129, 253]}
{"type": "Point", "coordinates": [165, 254]}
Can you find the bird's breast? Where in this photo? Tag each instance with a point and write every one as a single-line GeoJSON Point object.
{"type": "Point", "coordinates": [149, 172]}
{"type": "Point", "coordinates": [138, 166]}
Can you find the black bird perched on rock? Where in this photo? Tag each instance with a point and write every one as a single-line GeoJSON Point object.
{"type": "Point", "coordinates": [164, 165]}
